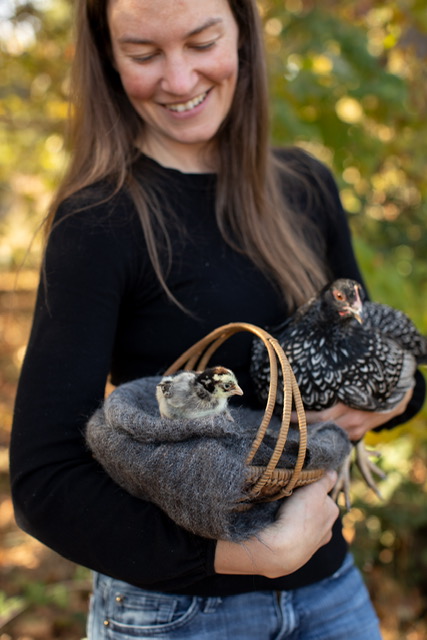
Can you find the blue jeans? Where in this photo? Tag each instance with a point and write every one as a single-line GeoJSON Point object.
{"type": "Point", "coordinates": [337, 608]}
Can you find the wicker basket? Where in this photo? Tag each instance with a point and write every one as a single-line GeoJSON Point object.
{"type": "Point", "coordinates": [267, 483]}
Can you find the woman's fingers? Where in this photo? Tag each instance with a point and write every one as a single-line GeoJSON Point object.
{"type": "Point", "coordinates": [356, 422]}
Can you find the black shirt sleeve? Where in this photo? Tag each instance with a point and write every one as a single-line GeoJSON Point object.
{"type": "Point", "coordinates": [61, 495]}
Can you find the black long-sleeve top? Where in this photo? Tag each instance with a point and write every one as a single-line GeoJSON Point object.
{"type": "Point", "coordinates": [101, 312]}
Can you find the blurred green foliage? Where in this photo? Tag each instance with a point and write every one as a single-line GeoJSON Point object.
{"type": "Point", "coordinates": [35, 55]}
{"type": "Point", "coordinates": [10, 607]}
{"type": "Point", "coordinates": [349, 83]}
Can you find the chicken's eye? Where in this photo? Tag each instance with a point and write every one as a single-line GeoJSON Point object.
{"type": "Point", "coordinates": [227, 385]}
{"type": "Point", "coordinates": [338, 295]}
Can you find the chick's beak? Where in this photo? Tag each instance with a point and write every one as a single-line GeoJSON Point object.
{"type": "Point", "coordinates": [236, 391]}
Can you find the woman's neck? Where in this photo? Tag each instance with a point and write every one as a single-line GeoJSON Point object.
{"type": "Point", "coordinates": [185, 158]}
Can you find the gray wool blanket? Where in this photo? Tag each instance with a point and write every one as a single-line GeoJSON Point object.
{"type": "Point", "coordinates": [195, 470]}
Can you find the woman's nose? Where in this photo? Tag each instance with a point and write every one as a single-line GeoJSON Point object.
{"type": "Point", "coordinates": [179, 76]}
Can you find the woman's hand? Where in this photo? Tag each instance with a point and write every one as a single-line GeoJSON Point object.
{"type": "Point", "coordinates": [303, 525]}
{"type": "Point", "coordinates": [355, 421]}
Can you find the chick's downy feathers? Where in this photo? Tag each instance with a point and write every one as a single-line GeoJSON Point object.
{"type": "Point", "coordinates": [195, 394]}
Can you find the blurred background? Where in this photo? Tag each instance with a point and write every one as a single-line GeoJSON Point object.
{"type": "Point", "coordinates": [349, 84]}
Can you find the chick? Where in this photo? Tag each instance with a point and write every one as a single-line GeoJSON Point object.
{"type": "Point", "coordinates": [195, 394]}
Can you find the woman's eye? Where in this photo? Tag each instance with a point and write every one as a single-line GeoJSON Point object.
{"type": "Point", "coordinates": [144, 58]}
{"type": "Point", "coordinates": [203, 46]}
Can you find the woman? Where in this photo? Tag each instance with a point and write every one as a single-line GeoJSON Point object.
{"type": "Point", "coordinates": [175, 218]}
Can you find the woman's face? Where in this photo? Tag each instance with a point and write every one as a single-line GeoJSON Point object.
{"type": "Point", "coordinates": [178, 63]}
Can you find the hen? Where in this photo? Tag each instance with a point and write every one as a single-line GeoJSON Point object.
{"type": "Point", "coordinates": [345, 349]}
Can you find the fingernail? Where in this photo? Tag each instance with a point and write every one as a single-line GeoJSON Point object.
{"type": "Point", "coordinates": [332, 475]}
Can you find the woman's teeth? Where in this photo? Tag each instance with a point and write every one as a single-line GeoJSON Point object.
{"type": "Point", "coordinates": [186, 106]}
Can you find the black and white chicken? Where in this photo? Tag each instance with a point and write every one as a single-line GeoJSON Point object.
{"type": "Point", "coordinates": [344, 349]}
{"type": "Point", "coordinates": [194, 394]}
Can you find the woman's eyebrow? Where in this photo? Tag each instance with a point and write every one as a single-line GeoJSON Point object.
{"type": "Point", "coordinates": [194, 32]}
{"type": "Point", "coordinates": [209, 23]}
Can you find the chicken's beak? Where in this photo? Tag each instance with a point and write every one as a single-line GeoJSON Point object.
{"type": "Point", "coordinates": [236, 391]}
{"type": "Point", "coordinates": [357, 306]}
{"type": "Point", "coordinates": [357, 313]}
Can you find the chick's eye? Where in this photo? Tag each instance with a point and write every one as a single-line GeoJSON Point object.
{"type": "Point", "coordinates": [227, 385]}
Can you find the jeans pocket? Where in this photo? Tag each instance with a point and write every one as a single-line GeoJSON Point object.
{"type": "Point", "coordinates": [136, 613]}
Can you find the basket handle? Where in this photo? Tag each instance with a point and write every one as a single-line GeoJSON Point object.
{"type": "Point", "coordinates": [197, 358]}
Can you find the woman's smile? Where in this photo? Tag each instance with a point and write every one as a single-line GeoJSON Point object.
{"type": "Point", "coordinates": [187, 106]}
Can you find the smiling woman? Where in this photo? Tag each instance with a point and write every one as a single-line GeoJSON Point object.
{"type": "Point", "coordinates": [176, 217]}
{"type": "Point", "coordinates": [178, 64]}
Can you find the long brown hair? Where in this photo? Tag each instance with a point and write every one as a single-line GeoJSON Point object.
{"type": "Point", "coordinates": [252, 213]}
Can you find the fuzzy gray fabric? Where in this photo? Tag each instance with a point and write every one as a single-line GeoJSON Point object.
{"type": "Point", "coordinates": [195, 470]}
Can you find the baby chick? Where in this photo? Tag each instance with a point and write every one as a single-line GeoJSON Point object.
{"type": "Point", "coordinates": [195, 394]}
